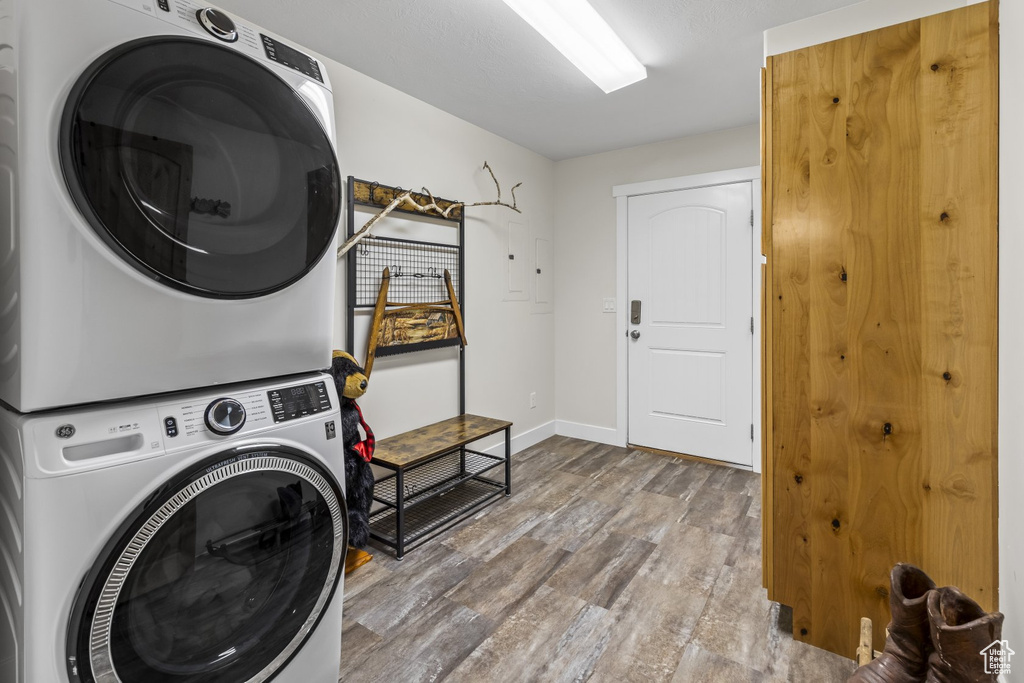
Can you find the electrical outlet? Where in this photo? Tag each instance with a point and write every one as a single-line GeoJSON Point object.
{"type": "Point", "coordinates": [533, 399]}
{"type": "Point", "coordinates": [609, 305]}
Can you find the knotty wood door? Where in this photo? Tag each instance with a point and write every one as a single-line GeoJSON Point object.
{"type": "Point", "coordinates": [881, 235]}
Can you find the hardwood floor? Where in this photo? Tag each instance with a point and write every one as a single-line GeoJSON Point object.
{"type": "Point", "coordinates": [606, 564]}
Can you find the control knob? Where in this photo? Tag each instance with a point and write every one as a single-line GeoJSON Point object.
{"type": "Point", "coordinates": [217, 24]}
{"type": "Point", "coordinates": [225, 416]}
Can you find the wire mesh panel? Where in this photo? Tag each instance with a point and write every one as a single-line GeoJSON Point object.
{"type": "Point", "coordinates": [417, 270]}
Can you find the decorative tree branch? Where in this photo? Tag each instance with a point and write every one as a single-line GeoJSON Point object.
{"type": "Point", "coordinates": [405, 200]}
{"type": "Point", "coordinates": [365, 230]}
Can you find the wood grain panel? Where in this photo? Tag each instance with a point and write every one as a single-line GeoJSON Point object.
{"type": "Point", "coordinates": [830, 358]}
{"type": "Point", "coordinates": [959, 123]}
{"type": "Point", "coordinates": [885, 322]}
{"type": "Point", "coordinates": [790, 240]}
{"type": "Point", "coordinates": [767, 430]}
{"type": "Point", "coordinates": [881, 230]}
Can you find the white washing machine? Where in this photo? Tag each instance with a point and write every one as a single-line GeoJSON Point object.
{"type": "Point", "coordinates": [196, 538]}
{"type": "Point", "coordinates": [169, 199]}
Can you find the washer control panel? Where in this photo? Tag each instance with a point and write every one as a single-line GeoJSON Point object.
{"type": "Point", "coordinates": [233, 413]}
{"type": "Point", "coordinates": [214, 416]}
{"type": "Point", "coordinates": [291, 403]}
{"type": "Point", "coordinates": [79, 439]}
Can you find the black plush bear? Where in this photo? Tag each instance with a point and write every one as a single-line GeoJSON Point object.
{"type": "Point", "coordinates": [350, 380]}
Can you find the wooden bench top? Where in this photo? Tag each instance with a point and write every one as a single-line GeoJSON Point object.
{"type": "Point", "coordinates": [409, 448]}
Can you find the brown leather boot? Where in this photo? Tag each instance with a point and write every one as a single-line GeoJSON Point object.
{"type": "Point", "coordinates": [905, 657]}
{"type": "Point", "coordinates": [960, 631]}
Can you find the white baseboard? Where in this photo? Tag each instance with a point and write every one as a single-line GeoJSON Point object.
{"type": "Point", "coordinates": [521, 442]}
{"type": "Point", "coordinates": [576, 430]}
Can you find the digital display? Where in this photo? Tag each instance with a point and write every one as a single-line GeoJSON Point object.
{"type": "Point", "coordinates": [289, 56]}
{"type": "Point", "coordinates": [294, 402]}
{"type": "Point", "coordinates": [297, 399]}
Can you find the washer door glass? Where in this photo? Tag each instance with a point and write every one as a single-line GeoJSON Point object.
{"type": "Point", "coordinates": [221, 579]}
{"type": "Point", "coordinates": [200, 167]}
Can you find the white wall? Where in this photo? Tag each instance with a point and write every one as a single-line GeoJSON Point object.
{"type": "Point", "coordinates": [585, 385]}
{"type": "Point", "coordinates": [390, 137]}
{"type": "Point", "coordinates": [1011, 328]}
{"type": "Point", "coordinates": [873, 14]}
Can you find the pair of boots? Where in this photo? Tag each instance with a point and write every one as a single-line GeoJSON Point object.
{"type": "Point", "coordinates": [936, 635]}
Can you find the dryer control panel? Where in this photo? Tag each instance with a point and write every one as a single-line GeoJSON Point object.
{"type": "Point", "coordinates": [208, 20]}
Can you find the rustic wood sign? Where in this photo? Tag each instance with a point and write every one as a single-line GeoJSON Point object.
{"type": "Point", "coordinates": [399, 327]}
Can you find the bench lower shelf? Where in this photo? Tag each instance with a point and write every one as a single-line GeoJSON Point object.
{"type": "Point", "coordinates": [433, 486]}
{"type": "Point", "coordinates": [432, 516]}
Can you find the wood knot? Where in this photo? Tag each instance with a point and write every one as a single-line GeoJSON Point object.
{"type": "Point", "coordinates": [882, 591]}
{"type": "Point", "coordinates": [835, 100]}
{"type": "Point", "coordinates": [927, 486]}
{"type": "Point", "coordinates": [842, 274]}
{"type": "Point", "coordinates": [887, 428]}
{"type": "Point", "coordinates": [944, 216]}
{"type": "Point", "coordinates": [835, 524]}
{"type": "Point", "coordinates": [935, 67]}
{"type": "Point", "coordinates": [799, 478]}
{"type": "Point", "coordinates": [803, 632]}
{"type": "Point", "coordinates": [947, 376]}
{"type": "Point", "coordinates": [842, 356]}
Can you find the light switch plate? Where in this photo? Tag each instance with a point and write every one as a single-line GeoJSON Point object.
{"type": "Point", "coordinates": [609, 305]}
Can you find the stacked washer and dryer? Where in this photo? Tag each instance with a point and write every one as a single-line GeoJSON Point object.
{"type": "Point", "coordinates": [172, 501]}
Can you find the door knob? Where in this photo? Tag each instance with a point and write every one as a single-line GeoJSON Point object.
{"type": "Point", "coordinates": [635, 334]}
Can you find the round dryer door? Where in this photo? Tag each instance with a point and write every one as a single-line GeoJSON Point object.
{"type": "Point", "coordinates": [221, 576]}
{"type": "Point", "coordinates": [200, 167]}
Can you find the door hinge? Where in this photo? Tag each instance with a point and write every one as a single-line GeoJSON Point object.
{"type": "Point", "coordinates": [751, 431]}
{"type": "Point", "coordinates": [751, 218]}
{"type": "Point", "coordinates": [751, 324]}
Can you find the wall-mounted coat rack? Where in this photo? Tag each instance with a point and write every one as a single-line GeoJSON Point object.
{"type": "Point", "coordinates": [415, 287]}
{"type": "Point", "coordinates": [416, 290]}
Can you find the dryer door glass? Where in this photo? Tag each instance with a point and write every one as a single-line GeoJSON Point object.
{"type": "Point", "coordinates": [221, 579]}
{"type": "Point", "coordinates": [201, 167]}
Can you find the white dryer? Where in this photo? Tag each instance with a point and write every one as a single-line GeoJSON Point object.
{"type": "Point", "coordinates": [195, 538]}
{"type": "Point", "coordinates": [169, 199]}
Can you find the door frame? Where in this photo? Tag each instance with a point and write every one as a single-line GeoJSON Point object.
{"type": "Point", "coordinates": [622, 193]}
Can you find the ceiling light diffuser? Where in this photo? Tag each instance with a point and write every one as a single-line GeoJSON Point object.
{"type": "Point", "coordinates": [578, 32]}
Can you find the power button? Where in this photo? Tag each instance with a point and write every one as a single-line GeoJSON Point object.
{"type": "Point", "coordinates": [171, 426]}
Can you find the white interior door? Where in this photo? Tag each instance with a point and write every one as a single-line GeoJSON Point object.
{"type": "Point", "coordinates": [690, 354]}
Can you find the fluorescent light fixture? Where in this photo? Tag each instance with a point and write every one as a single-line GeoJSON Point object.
{"type": "Point", "coordinates": [586, 40]}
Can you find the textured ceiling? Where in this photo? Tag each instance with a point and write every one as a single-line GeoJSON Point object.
{"type": "Point", "coordinates": [478, 60]}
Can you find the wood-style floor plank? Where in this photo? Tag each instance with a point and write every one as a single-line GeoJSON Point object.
{"type": "Point", "coordinates": [630, 567]}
